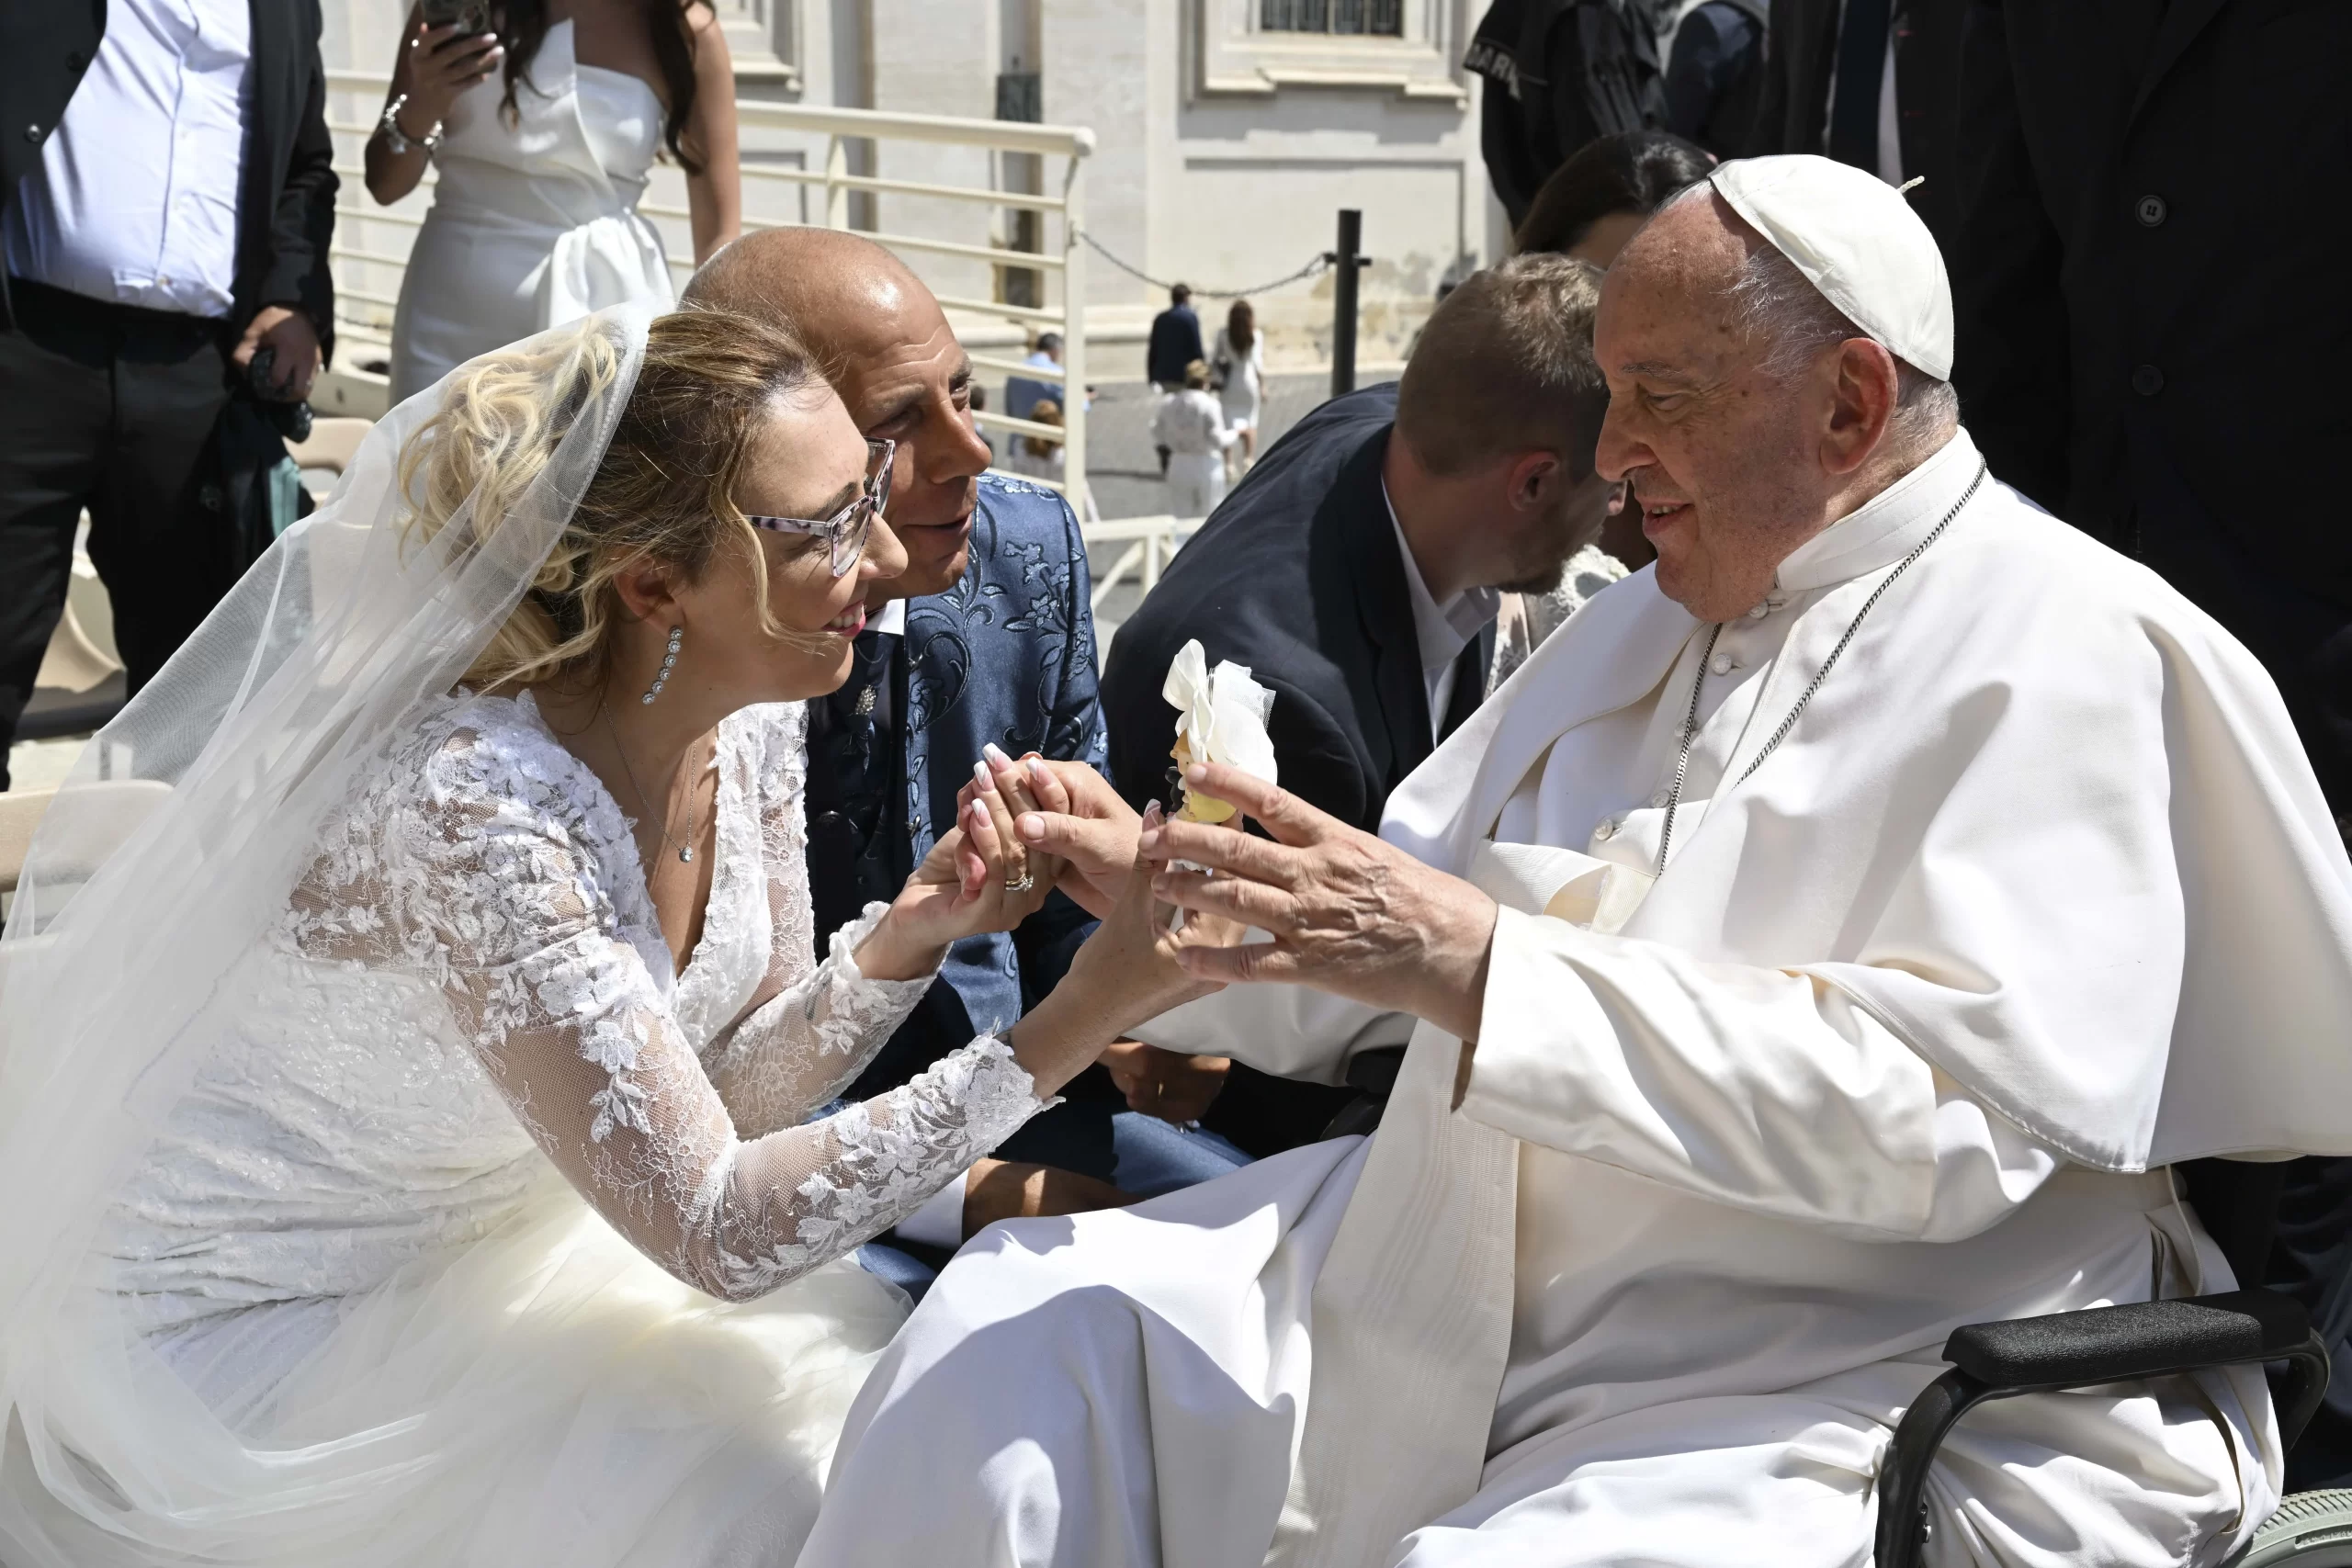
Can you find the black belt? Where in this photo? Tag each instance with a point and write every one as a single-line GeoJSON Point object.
{"type": "Point", "coordinates": [36, 305]}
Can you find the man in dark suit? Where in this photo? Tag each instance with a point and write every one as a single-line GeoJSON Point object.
{"type": "Point", "coordinates": [1356, 572]}
{"type": "Point", "coordinates": [987, 640]}
{"type": "Point", "coordinates": [167, 197]}
{"type": "Point", "coordinates": [1825, 90]}
{"type": "Point", "coordinates": [2152, 329]}
{"type": "Point", "coordinates": [1560, 73]}
{"type": "Point", "coordinates": [1175, 343]}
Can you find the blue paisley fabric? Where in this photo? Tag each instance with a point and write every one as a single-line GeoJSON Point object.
{"type": "Point", "coordinates": [1006, 655]}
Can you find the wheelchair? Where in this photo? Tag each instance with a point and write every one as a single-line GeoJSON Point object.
{"type": "Point", "coordinates": [2236, 1202]}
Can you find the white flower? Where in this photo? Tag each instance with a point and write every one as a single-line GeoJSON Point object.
{"type": "Point", "coordinates": [1220, 717]}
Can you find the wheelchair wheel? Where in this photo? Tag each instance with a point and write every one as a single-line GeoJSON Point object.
{"type": "Point", "coordinates": [2310, 1529]}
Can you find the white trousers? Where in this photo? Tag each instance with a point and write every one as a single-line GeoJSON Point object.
{"type": "Point", "coordinates": [1195, 482]}
{"type": "Point", "coordinates": [1119, 1391]}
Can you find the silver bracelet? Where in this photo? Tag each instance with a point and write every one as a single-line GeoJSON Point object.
{"type": "Point", "coordinates": [390, 129]}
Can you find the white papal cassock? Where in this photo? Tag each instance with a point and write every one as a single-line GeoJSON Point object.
{"type": "Point", "coordinates": [2037, 895]}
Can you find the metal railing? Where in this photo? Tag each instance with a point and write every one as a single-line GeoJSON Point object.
{"type": "Point", "coordinates": [371, 249]}
{"type": "Point", "coordinates": [1151, 542]}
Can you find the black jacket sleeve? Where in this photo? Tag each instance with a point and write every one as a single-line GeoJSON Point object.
{"type": "Point", "coordinates": [302, 227]}
{"type": "Point", "coordinates": [2010, 362]}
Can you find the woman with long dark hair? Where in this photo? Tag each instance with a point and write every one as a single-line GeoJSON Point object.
{"type": "Point", "coordinates": [544, 118]}
{"type": "Point", "coordinates": [1241, 363]}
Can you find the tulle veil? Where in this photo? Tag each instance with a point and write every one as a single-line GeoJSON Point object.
{"type": "Point", "coordinates": [177, 839]}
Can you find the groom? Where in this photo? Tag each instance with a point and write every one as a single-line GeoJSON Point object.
{"type": "Point", "coordinates": [1822, 943]}
{"type": "Point", "coordinates": [987, 638]}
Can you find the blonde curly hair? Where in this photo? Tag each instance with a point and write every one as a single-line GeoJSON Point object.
{"type": "Point", "coordinates": [664, 492]}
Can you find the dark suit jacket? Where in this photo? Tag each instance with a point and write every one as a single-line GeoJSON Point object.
{"type": "Point", "coordinates": [1298, 576]}
{"type": "Point", "coordinates": [1006, 655]}
{"type": "Point", "coordinates": [1175, 343]}
{"type": "Point", "coordinates": [2152, 329]}
{"type": "Point", "coordinates": [1793, 113]}
{"type": "Point", "coordinates": [1560, 72]}
{"type": "Point", "coordinates": [2153, 321]}
{"type": "Point", "coordinates": [286, 214]}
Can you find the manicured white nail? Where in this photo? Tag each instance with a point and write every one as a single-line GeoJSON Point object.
{"type": "Point", "coordinates": [995, 755]}
{"type": "Point", "coordinates": [980, 774]}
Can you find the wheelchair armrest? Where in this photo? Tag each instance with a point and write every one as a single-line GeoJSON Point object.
{"type": "Point", "coordinates": [1373, 1072]}
{"type": "Point", "coordinates": [2144, 1339]}
{"type": "Point", "coordinates": [2083, 1349]}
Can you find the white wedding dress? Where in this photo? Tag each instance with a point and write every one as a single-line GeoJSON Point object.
{"type": "Point", "coordinates": [533, 224]}
{"type": "Point", "coordinates": [347, 1222]}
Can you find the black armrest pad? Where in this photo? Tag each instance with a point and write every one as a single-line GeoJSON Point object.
{"type": "Point", "coordinates": [2144, 1339]}
{"type": "Point", "coordinates": [1374, 1072]}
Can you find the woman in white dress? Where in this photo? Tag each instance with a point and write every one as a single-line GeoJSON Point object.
{"type": "Point", "coordinates": [1239, 362]}
{"type": "Point", "coordinates": [544, 118]}
{"type": "Point", "coordinates": [427, 1105]}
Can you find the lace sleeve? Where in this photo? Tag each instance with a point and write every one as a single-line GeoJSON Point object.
{"type": "Point", "coordinates": [802, 1046]}
{"type": "Point", "coordinates": [811, 1027]}
{"type": "Point", "coordinates": [574, 1030]}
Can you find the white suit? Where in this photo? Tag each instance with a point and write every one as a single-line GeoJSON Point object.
{"type": "Point", "coordinates": [2037, 895]}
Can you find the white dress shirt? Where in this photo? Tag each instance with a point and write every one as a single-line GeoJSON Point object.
{"type": "Point", "coordinates": [136, 200]}
{"type": "Point", "coordinates": [1444, 630]}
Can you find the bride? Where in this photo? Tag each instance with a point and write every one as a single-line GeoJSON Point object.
{"type": "Point", "coordinates": [418, 1128]}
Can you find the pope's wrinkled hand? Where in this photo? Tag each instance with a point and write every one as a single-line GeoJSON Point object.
{"type": "Point", "coordinates": [1350, 913]}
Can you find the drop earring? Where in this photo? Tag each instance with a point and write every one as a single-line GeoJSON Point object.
{"type": "Point", "coordinates": [669, 662]}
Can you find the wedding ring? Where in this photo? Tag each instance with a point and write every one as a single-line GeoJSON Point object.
{"type": "Point", "coordinates": [1028, 880]}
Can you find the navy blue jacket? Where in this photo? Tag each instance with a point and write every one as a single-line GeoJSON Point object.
{"type": "Point", "coordinates": [1006, 655]}
{"type": "Point", "coordinates": [1175, 343]}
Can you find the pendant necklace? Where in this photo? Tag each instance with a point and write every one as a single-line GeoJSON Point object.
{"type": "Point", "coordinates": [1691, 719]}
{"type": "Point", "coordinates": [686, 849]}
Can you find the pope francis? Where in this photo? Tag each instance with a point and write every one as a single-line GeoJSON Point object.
{"type": "Point", "coordinates": [1828, 938]}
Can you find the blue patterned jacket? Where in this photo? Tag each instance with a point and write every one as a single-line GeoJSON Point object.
{"type": "Point", "coordinates": [1006, 655]}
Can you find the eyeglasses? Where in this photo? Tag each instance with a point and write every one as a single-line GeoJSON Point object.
{"type": "Point", "coordinates": [846, 530]}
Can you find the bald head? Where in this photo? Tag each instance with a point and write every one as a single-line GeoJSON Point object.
{"type": "Point", "coordinates": [888, 350]}
{"type": "Point", "coordinates": [822, 283]}
{"type": "Point", "coordinates": [1746, 421]}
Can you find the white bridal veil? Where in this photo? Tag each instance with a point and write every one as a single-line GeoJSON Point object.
{"type": "Point", "coordinates": [177, 840]}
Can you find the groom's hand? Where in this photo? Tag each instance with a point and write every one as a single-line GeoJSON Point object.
{"type": "Point", "coordinates": [1166, 1084]}
{"type": "Point", "coordinates": [1350, 913]}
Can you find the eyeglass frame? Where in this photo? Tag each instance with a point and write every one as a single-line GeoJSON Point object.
{"type": "Point", "coordinates": [847, 547]}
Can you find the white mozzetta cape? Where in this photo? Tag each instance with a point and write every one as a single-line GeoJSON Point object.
{"type": "Point", "coordinates": [2045, 822]}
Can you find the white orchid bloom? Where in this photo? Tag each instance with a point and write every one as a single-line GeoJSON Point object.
{"type": "Point", "coordinates": [1220, 717]}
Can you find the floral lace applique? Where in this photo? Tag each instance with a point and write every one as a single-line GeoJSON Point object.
{"type": "Point", "coordinates": [486, 859]}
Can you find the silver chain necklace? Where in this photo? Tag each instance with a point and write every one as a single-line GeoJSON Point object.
{"type": "Point", "coordinates": [1690, 720]}
{"type": "Point", "coordinates": [686, 849]}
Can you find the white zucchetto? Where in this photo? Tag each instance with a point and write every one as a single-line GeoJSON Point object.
{"type": "Point", "coordinates": [1857, 239]}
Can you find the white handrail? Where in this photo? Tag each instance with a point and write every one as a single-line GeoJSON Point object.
{"type": "Point", "coordinates": [374, 251]}
{"type": "Point", "coordinates": [1154, 541]}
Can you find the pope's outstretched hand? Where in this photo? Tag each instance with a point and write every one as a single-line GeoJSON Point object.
{"type": "Point", "coordinates": [1350, 913]}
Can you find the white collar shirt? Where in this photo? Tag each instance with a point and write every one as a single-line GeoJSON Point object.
{"type": "Point", "coordinates": [136, 199]}
{"type": "Point", "coordinates": [1442, 630]}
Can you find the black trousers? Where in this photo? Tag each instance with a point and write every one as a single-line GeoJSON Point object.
{"type": "Point", "coordinates": [111, 408]}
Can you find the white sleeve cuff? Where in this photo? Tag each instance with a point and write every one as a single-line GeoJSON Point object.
{"type": "Point", "coordinates": [940, 1221]}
